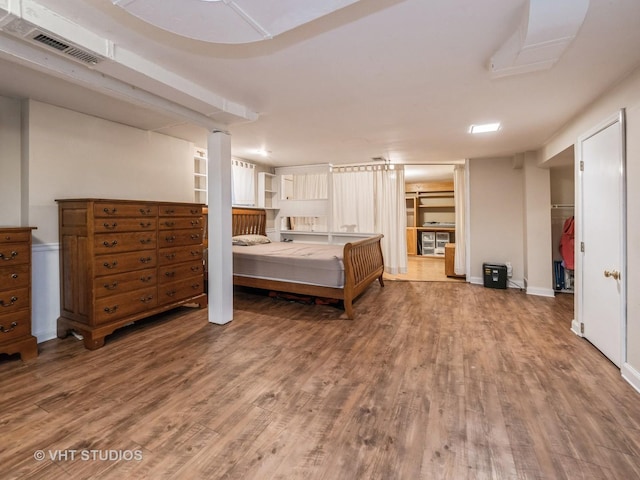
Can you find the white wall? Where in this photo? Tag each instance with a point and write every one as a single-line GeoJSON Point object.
{"type": "Point", "coordinates": [10, 162]}
{"type": "Point", "coordinates": [72, 155]}
{"type": "Point", "coordinates": [496, 216]}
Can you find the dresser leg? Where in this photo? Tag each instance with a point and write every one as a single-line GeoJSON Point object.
{"type": "Point", "coordinates": [29, 349]}
{"type": "Point", "coordinates": [92, 343]}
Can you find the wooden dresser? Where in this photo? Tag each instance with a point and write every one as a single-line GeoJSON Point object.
{"type": "Point", "coordinates": [15, 293]}
{"type": "Point", "coordinates": [122, 261]}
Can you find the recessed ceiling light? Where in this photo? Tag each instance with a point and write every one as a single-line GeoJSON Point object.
{"type": "Point", "coordinates": [484, 128]}
{"type": "Point", "coordinates": [262, 152]}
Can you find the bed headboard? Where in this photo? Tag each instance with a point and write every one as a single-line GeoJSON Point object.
{"type": "Point", "coordinates": [248, 221]}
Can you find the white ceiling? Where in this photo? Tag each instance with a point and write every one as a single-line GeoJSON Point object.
{"type": "Point", "coordinates": [401, 79]}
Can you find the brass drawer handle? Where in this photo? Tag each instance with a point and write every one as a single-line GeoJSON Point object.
{"type": "Point", "coordinates": [112, 286]}
{"type": "Point", "coordinates": [195, 222]}
{"type": "Point", "coordinates": [113, 211]}
{"type": "Point", "coordinates": [111, 309]}
{"type": "Point", "coordinates": [170, 239]}
{"type": "Point", "coordinates": [170, 256]}
{"type": "Point", "coordinates": [195, 268]}
{"type": "Point", "coordinates": [11, 302]}
{"type": "Point", "coordinates": [110, 245]}
{"type": "Point", "coordinates": [146, 241]}
{"type": "Point", "coordinates": [146, 299]}
{"type": "Point", "coordinates": [13, 255]}
{"type": "Point", "coordinates": [195, 286]}
{"type": "Point", "coordinates": [171, 293]}
{"type": "Point", "coordinates": [145, 259]}
{"type": "Point", "coordinates": [195, 236]}
{"type": "Point", "coordinates": [194, 211]}
{"type": "Point", "coordinates": [110, 226]}
{"type": "Point", "coordinates": [7, 330]}
{"type": "Point", "coordinates": [170, 274]}
{"type": "Point", "coordinates": [111, 265]}
{"type": "Point", "coordinates": [145, 279]}
{"type": "Point", "coordinates": [145, 212]}
{"type": "Point", "coordinates": [169, 224]}
{"type": "Point", "coordinates": [145, 225]}
{"type": "Point", "coordinates": [169, 211]}
{"type": "Point", "coordinates": [197, 253]}
{"type": "Point", "coordinates": [14, 275]}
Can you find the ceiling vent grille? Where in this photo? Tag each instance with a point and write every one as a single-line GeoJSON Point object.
{"type": "Point", "coordinates": [61, 46]}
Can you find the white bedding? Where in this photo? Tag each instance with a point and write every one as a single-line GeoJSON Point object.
{"type": "Point", "coordinates": [311, 264]}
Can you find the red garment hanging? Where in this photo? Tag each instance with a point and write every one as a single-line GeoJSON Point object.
{"type": "Point", "coordinates": [567, 243]}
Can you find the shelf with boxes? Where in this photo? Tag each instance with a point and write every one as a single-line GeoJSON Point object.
{"type": "Point", "coordinates": [430, 210]}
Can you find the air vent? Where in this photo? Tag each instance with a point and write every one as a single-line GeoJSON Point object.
{"type": "Point", "coordinates": [67, 49]}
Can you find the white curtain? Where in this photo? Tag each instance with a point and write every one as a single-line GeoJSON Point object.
{"type": "Point", "coordinates": [391, 217]}
{"type": "Point", "coordinates": [460, 200]}
{"type": "Point", "coordinates": [353, 204]}
{"type": "Point", "coordinates": [370, 199]}
{"type": "Point", "coordinates": [310, 186]}
{"type": "Point", "coordinates": [243, 187]}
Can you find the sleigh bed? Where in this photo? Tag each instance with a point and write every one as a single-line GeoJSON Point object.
{"type": "Point", "coordinates": [339, 272]}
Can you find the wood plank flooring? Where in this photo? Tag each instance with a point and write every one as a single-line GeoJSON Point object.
{"type": "Point", "coordinates": [430, 381]}
{"type": "Point", "coordinates": [424, 269]}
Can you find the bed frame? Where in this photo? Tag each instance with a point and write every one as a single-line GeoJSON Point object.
{"type": "Point", "coordinates": [363, 264]}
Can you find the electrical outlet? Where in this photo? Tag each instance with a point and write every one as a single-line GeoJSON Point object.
{"type": "Point", "coordinates": [509, 270]}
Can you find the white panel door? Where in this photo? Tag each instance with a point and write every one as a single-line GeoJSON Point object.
{"type": "Point", "coordinates": [601, 231]}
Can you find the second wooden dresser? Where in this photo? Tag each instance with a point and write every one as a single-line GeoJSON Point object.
{"type": "Point", "coordinates": [122, 261]}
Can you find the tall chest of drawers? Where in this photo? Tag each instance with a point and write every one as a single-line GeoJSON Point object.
{"type": "Point", "coordinates": [15, 293]}
{"type": "Point", "coordinates": [122, 261]}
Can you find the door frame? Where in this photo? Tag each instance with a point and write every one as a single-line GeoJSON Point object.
{"type": "Point", "coordinates": [577, 325]}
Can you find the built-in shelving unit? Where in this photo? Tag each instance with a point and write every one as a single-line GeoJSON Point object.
{"type": "Point", "coordinates": [431, 216]}
{"type": "Point", "coordinates": [267, 190]}
{"type": "Point", "coordinates": [201, 194]}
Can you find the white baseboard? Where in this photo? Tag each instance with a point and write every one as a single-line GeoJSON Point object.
{"type": "Point", "coordinates": [575, 327]}
{"type": "Point", "coordinates": [476, 280]}
{"type": "Point", "coordinates": [541, 292]}
{"type": "Point", "coordinates": [631, 375]}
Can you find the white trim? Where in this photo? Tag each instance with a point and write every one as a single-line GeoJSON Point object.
{"type": "Point", "coordinates": [631, 375]}
{"type": "Point", "coordinates": [575, 327]}
{"type": "Point", "coordinates": [541, 292]}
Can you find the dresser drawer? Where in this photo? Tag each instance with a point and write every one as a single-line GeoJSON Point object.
{"type": "Point", "coordinates": [124, 282]}
{"type": "Point", "coordinates": [124, 262]}
{"type": "Point", "coordinates": [168, 238]}
{"type": "Point", "coordinates": [13, 253]}
{"type": "Point", "coordinates": [12, 277]}
{"type": "Point", "coordinates": [117, 210]}
{"type": "Point", "coordinates": [177, 223]}
{"type": "Point", "coordinates": [180, 271]}
{"type": "Point", "coordinates": [123, 242]}
{"type": "Point", "coordinates": [179, 210]}
{"type": "Point", "coordinates": [176, 291]}
{"type": "Point", "coordinates": [135, 224]}
{"type": "Point", "coordinates": [168, 256]}
{"type": "Point", "coordinates": [111, 308]}
{"type": "Point", "coordinates": [14, 237]}
{"type": "Point", "coordinates": [14, 300]}
{"type": "Point", "coordinates": [14, 325]}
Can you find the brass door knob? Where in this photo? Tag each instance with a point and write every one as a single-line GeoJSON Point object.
{"type": "Point", "coordinates": [612, 273]}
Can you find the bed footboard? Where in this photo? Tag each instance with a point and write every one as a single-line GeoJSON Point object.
{"type": "Point", "coordinates": [363, 263]}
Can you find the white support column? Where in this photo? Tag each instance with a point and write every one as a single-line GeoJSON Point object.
{"type": "Point", "coordinates": [220, 257]}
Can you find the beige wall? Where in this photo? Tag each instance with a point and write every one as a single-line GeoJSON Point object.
{"type": "Point", "coordinates": [10, 162]}
{"type": "Point", "coordinates": [495, 216]}
{"type": "Point", "coordinates": [72, 155]}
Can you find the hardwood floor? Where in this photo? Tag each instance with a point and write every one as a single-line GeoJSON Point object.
{"type": "Point", "coordinates": [424, 269]}
{"type": "Point", "coordinates": [430, 381]}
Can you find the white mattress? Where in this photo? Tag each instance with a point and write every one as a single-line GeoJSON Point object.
{"type": "Point", "coordinates": [291, 262]}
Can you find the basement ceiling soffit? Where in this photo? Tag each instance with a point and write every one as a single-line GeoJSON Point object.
{"type": "Point", "coordinates": [25, 23]}
{"type": "Point", "coordinates": [230, 21]}
{"type": "Point", "coordinates": [545, 31]}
